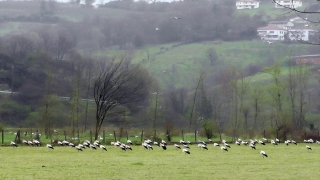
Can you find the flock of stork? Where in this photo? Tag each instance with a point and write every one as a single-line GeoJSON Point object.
{"type": "Point", "coordinates": [183, 145]}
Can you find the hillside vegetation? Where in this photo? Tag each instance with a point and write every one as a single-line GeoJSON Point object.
{"type": "Point", "coordinates": [209, 70]}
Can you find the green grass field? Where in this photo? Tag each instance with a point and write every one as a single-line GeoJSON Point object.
{"type": "Point", "coordinates": [241, 162]}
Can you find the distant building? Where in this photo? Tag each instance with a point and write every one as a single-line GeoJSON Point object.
{"type": "Point", "coordinates": [307, 59]}
{"type": "Point", "coordinates": [288, 3]}
{"type": "Point", "coordinates": [272, 33]}
{"type": "Point", "coordinates": [247, 4]}
{"type": "Point", "coordinates": [300, 33]}
{"type": "Point", "coordinates": [296, 29]}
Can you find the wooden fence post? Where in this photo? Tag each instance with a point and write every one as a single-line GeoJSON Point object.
{"type": "Point", "coordinates": [104, 136]}
{"type": "Point", "coordinates": [115, 137]}
{"type": "Point", "coordinates": [90, 136]}
{"type": "Point", "coordinates": [141, 136]}
{"type": "Point", "coordinates": [37, 135]}
{"type": "Point", "coordinates": [2, 135]}
{"type": "Point", "coordinates": [78, 136]}
{"type": "Point", "coordinates": [182, 135]}
{"type": "Point", "coordinates": [65, 135]}
{"type": "Point", "coordinates": [195, 135]}
{"type": "Point", "coordinates": [127, 134]}
{"type": "Point", "coordinates": [154, 135]}
{"type": "Point", "coordinates": [264, 133]}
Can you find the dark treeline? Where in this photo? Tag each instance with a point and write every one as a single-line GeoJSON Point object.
{"type": "Point", "coordinates": [53, 68]}
{"type": "Point", "coordinates": [136, 22]}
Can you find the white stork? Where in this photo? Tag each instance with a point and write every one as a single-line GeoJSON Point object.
{"type": "Point", "coordinates": [186, 151]}
{"type": "Point", "coordinates": [216, 144]}
{"type": "Point", "coordinates": [224, 148]}
{"type": "Point", "coordinates": [79, 148]}
{"type": "Point", "coordinates": [13, 144]}
{"type": "Point", "coordinates": [129, 142]}
{"type": "Point", "coordinates": [308, 147]}
{"type": "Point", "coordinates": [164, 147]}
{"type": "Point", "coordinates": [226, 144]}
{"type": "Point", "coordinates": [264, 154]}
{"type": "Point", "coordinates": [50, 146]}
{"type": "Point", "coordinates": [103, 147]}
{"type": "Point", "coordinates": [177, 146]}
{"type": "Point", "coordinates": [252, 146]}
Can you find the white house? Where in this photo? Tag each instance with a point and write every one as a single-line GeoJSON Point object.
{"type": "Point", "coordinates": [300, 33]}
{"type": "Point", "coordinates": [288, 3]}
{"type": "Point", "coordinates": [247, 4]}
{"type": "Point", "coordinates": [282, 24]}
{"type": "Point", "coordinates": [272, 33]}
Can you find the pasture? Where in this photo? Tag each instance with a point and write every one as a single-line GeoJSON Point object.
{"type": "Point", "coordinates": [240, 162]}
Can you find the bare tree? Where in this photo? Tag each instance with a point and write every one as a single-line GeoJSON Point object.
{"type": "Point", "coordinates": [117, 89]}
{"type": "Point", "coordinates": [195, 98]}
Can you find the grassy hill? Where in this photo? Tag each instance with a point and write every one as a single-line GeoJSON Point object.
{"type": "Point", "coordinates": [180, 64]}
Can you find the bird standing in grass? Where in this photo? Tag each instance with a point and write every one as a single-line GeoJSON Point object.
{"type": "Point", "coordinates": [264, 154]}
{"type": "Point", "coordinates": [13, 144]}
{"type": "Point", "coordinates": [224, 148]}
{"type": "Point", "coordinates": [186, 151]}
{"type": "Point", "coordinates": [308, 147]}
{"type": "Point", "coordinates": [103, 147]}
{"type": "Point", "coordinates": [252, 146]}
{"type": "Point", "coordinates": [216, 144]}
{"type": "Point", "coordinates": [50, 146]}
{"type": "Point", "coordinates": [177, 146]}
{"type": "Point", "coordinates": [79, 148]}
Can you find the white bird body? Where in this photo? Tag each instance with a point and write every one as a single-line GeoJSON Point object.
{"type": "Point", "coordinates": [186, 146]}
{"type": "Point", "coordinates": [164, 147]}
{"type": "Point", "coordinates": [216, 144]}
{"type": "Point", "coordinates": [227, 145]}
{"type": "Point", "coordinates": [13, 144]}
{"type": "Point", "coordinates": [261, 142]}
{"type": "Point", "coordinates": [93, 147]}
{"type": "Point", "coordinates": [224, 148]}
{"type": "Point", "coordinates": [50, 146]}
{"type": "Point", "coordinates": [79, 148]}
{"type": "Point", "coordinates": [186, 151]}
{"type": "Point", "coordinates": [252, 146]}
{"type": "Point", "coordinates": [264, 154]}
{"type": "Point", "coordinates": [129, 141]}
{"type": "Point", "coordinates": [103, 147]}
{"type": "Point", "coordinates": [177, 146]}
{"type": "Point", "coordinates": [244, 143]}
{"type": "Point", "coordinates": [163, 142]}
{"type": "Point", "coordinates": [308, 147]}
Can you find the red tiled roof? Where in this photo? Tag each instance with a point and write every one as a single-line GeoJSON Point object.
{"type": "Point", "coordinates": [271, 27]}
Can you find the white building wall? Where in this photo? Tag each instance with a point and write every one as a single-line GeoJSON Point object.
{"type": "Point", "coordinates": [272, 35]}
{"type": "Point", "coordinates": [247, 4]}
{"type": "Point", "coordinates": [296, 34]}
{"type": "Point", "coordinates": [288, 3]}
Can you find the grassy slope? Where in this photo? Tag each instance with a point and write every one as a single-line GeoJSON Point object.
{"type": "Point", "coordinates": [292, 162]}
{"type": "Point", "coordinates": [190, 59]}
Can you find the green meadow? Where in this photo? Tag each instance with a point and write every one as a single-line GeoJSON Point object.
{"type": "Point", "coordinates": [240, 162]}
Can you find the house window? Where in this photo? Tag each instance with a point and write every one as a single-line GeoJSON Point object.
{"type": "Point", "coordinates": [271, 32]}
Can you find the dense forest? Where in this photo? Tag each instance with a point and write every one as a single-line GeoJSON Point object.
{"type": "Point", "coordinates": [51, 63]}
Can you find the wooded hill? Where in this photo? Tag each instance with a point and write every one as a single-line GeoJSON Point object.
{"type": "Point", "coordinates": [210, 70]}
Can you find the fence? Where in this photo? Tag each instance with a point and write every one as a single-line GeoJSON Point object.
{"type": "Point", "coordinates": [53, 137]}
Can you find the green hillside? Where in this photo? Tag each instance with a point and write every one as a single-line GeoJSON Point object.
{"type": "Point", "coordinates": [180, 65]}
